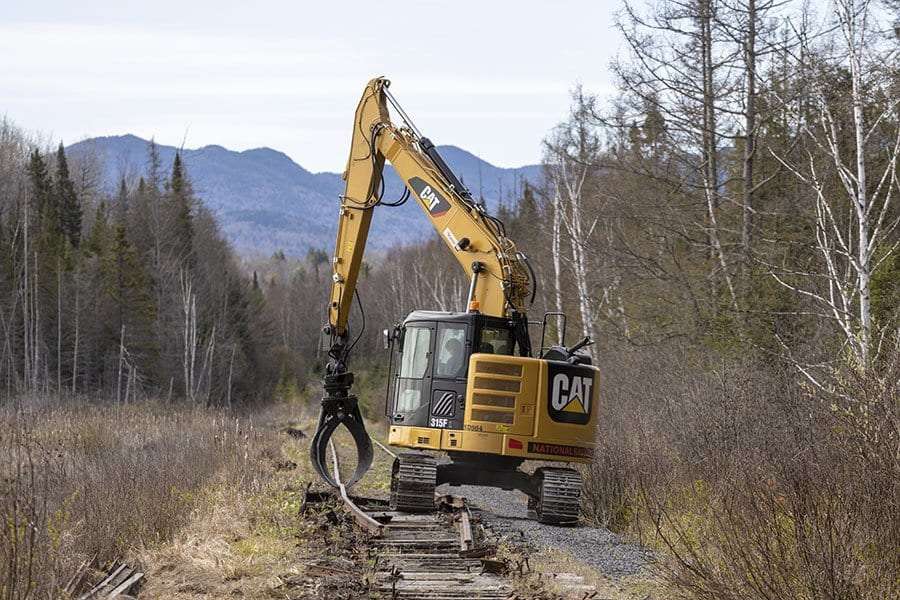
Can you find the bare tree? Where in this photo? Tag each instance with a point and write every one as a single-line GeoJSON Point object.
{"type": "Point", "coordinates": [189, 334]}
{"type": "Point", "coordinates": [681, 65]}
{"type": "Point", "coordinates": [749, 24]}
{"type": "Point", "coordinates": [571, 157]}
{"type": "Point", "coordinates": [854, 220]}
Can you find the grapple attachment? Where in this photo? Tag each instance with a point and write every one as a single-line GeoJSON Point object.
{"type": "Point", "coordinates": [339, 407]}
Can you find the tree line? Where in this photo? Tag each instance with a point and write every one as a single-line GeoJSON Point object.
{"type": "Point", "coordinates": [125, 295]}
{"type": "Point", "coordinates": [739, 193]}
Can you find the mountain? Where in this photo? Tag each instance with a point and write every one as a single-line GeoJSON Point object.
{"type": "Point", "coordinates": [265, 202]}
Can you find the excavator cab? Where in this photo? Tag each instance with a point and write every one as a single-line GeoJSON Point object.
{"type": "Point", "coordinates": [466, 384]}
{"type": "Point", "coordinates": [427, 382]}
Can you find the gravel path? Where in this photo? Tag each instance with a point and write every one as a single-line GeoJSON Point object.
{"type": "Point", "coordinates": [597, 547]}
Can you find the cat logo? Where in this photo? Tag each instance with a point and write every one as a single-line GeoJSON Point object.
{"type": "Point", "coordinates": [570, 394]}
{"type": "Point", "coordinates": [431, 198]}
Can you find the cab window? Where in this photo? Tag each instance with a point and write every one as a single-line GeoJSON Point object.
{"type": "Point", "coordinates": [496, 340]}
{"type": "Point", "coordinates": [413, 368]}
{"type": "Point", "coordinates": [451, 351]}
{"type": "Point", "coordinates": [415, 352]}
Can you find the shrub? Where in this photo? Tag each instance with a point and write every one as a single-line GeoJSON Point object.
{"type": "Point", "coordinates": [754, 485]}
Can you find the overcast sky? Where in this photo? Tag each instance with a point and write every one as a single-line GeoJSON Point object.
{"type": "Point", "coordinates": [492, 76]}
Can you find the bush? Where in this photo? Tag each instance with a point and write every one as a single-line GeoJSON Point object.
{"type": "Point", "coordinates": [754, 485]}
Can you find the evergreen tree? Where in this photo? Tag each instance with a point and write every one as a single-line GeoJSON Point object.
{"type": "Point", "coordinates": [98, 241]}
{"type": "Point", "coordinates": [41, 188]}
{"type": "Point", "coordinates": [180, 200]}
{"type": "Point", "coordinates": [153, 166]}
{"type": "Point", "coordinates": [130, 288]}
{"type": "Point", "coordinates": [122, 203]}
{"type": "Point", "coordinates": [67, 200]}
{"type": "Point", "coordinates": [654, 125]}
{"type": "Point", "coordinates": [316, 257]}
{"type": "Point", "coordinates": [528, 208]}
{"type": "Point", "coordinates": [525, 220]}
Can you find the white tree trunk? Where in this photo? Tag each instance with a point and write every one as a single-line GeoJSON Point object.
{"type": "Point", "coordinates": [59, 320]}
{"type": "Point", "coordinates": [26, 304]}
{"type": "Point", "coordinates": [853, 29]}
{"type": "Point", "coordinates": [77, 334]}
{"type": "Point", "coordinates": [189, 334]}
{"type": "Point", "coordinates": [121, 363]}
{"type": "Point", "coordinates": [570, 190]}
{"type": "Point", "coordinates": [556, 253]}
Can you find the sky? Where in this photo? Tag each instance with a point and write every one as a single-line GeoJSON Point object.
{"type": "Point", "coordinates": [491, 76]}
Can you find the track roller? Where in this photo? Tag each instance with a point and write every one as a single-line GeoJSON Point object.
{"type": "Point", "coordinates": [559, 496]}
{"type": "Point", "coordinates": [413, 479]}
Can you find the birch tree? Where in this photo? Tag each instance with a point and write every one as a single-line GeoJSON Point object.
{"type": "Point", "coordinates": [854, 139]}
{"type": "Point", "coordinates": [572, 157]}
{"type": "Point", "coordinates": [189, 334]}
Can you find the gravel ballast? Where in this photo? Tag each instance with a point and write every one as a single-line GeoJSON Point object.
{"type": "Point", "coordinates": [505, 512]}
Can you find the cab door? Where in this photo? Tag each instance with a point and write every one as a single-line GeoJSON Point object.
{"type": "Point", "coordinates": [412, 385]}
{"type": "Point", "coordinates": [453, 345]}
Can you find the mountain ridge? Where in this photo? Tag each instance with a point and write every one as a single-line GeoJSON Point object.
{"type": "Point", "coordinates": [266, 202]}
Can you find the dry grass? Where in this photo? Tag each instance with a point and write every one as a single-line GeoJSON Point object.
{"type": "Point", "coordinates": [262, 543]}
{"type": "Point", "coordinates": [221, 552]}
{"type": "Point", "coordinates": [83, 483]}
{"type": "Point", "coordinates": [753, 486]}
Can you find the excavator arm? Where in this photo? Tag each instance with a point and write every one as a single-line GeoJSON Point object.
{"type": "Point", "coordinates": [467, 230]}
{"type": "Point", "coordinates": [498, 273]}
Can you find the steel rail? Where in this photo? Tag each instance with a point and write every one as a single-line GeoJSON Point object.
{"type": "Point", "coordinates": [361, 518]}
{"type": "Point", "coordinates": [466, 539]}
{"type": "Point", "coordinates": [385, 448]}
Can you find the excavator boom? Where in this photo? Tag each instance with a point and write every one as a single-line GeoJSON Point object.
{"type": "Point", "coordinates": [469, 232]}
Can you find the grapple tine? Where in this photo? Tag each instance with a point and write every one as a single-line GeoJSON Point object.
{"type": "Point", "coordinates": [340, 408]}
{"type": "Point", "coordinates": [317, 450]}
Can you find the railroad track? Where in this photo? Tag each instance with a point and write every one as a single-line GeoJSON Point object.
{"type": "Point", "coordinates": [431, 556]}
{"type": "Point", "coordinates": [441, 555]}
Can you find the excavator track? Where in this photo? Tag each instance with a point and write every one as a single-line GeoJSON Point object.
{"type": "Point", "coordinates": [413, 479]}
{"type": "Point", "coordinates": [559, 496]}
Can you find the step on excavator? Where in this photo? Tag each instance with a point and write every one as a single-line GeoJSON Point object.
{"type": "Point", "coordinates": [466, 386]}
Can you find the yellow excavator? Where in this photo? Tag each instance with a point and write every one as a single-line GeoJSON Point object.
{"type": "Point", "coordinates": [466, 384]}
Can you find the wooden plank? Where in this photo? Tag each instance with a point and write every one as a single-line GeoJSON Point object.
{"type": "Point", "coordinates": [78, 578]}
{"type": "Point", "coordinates": [125, 585]}
{"type": "Point", "coordinates": [97, 588]}
{"type": "Point", "coordinates": [122, 576]}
